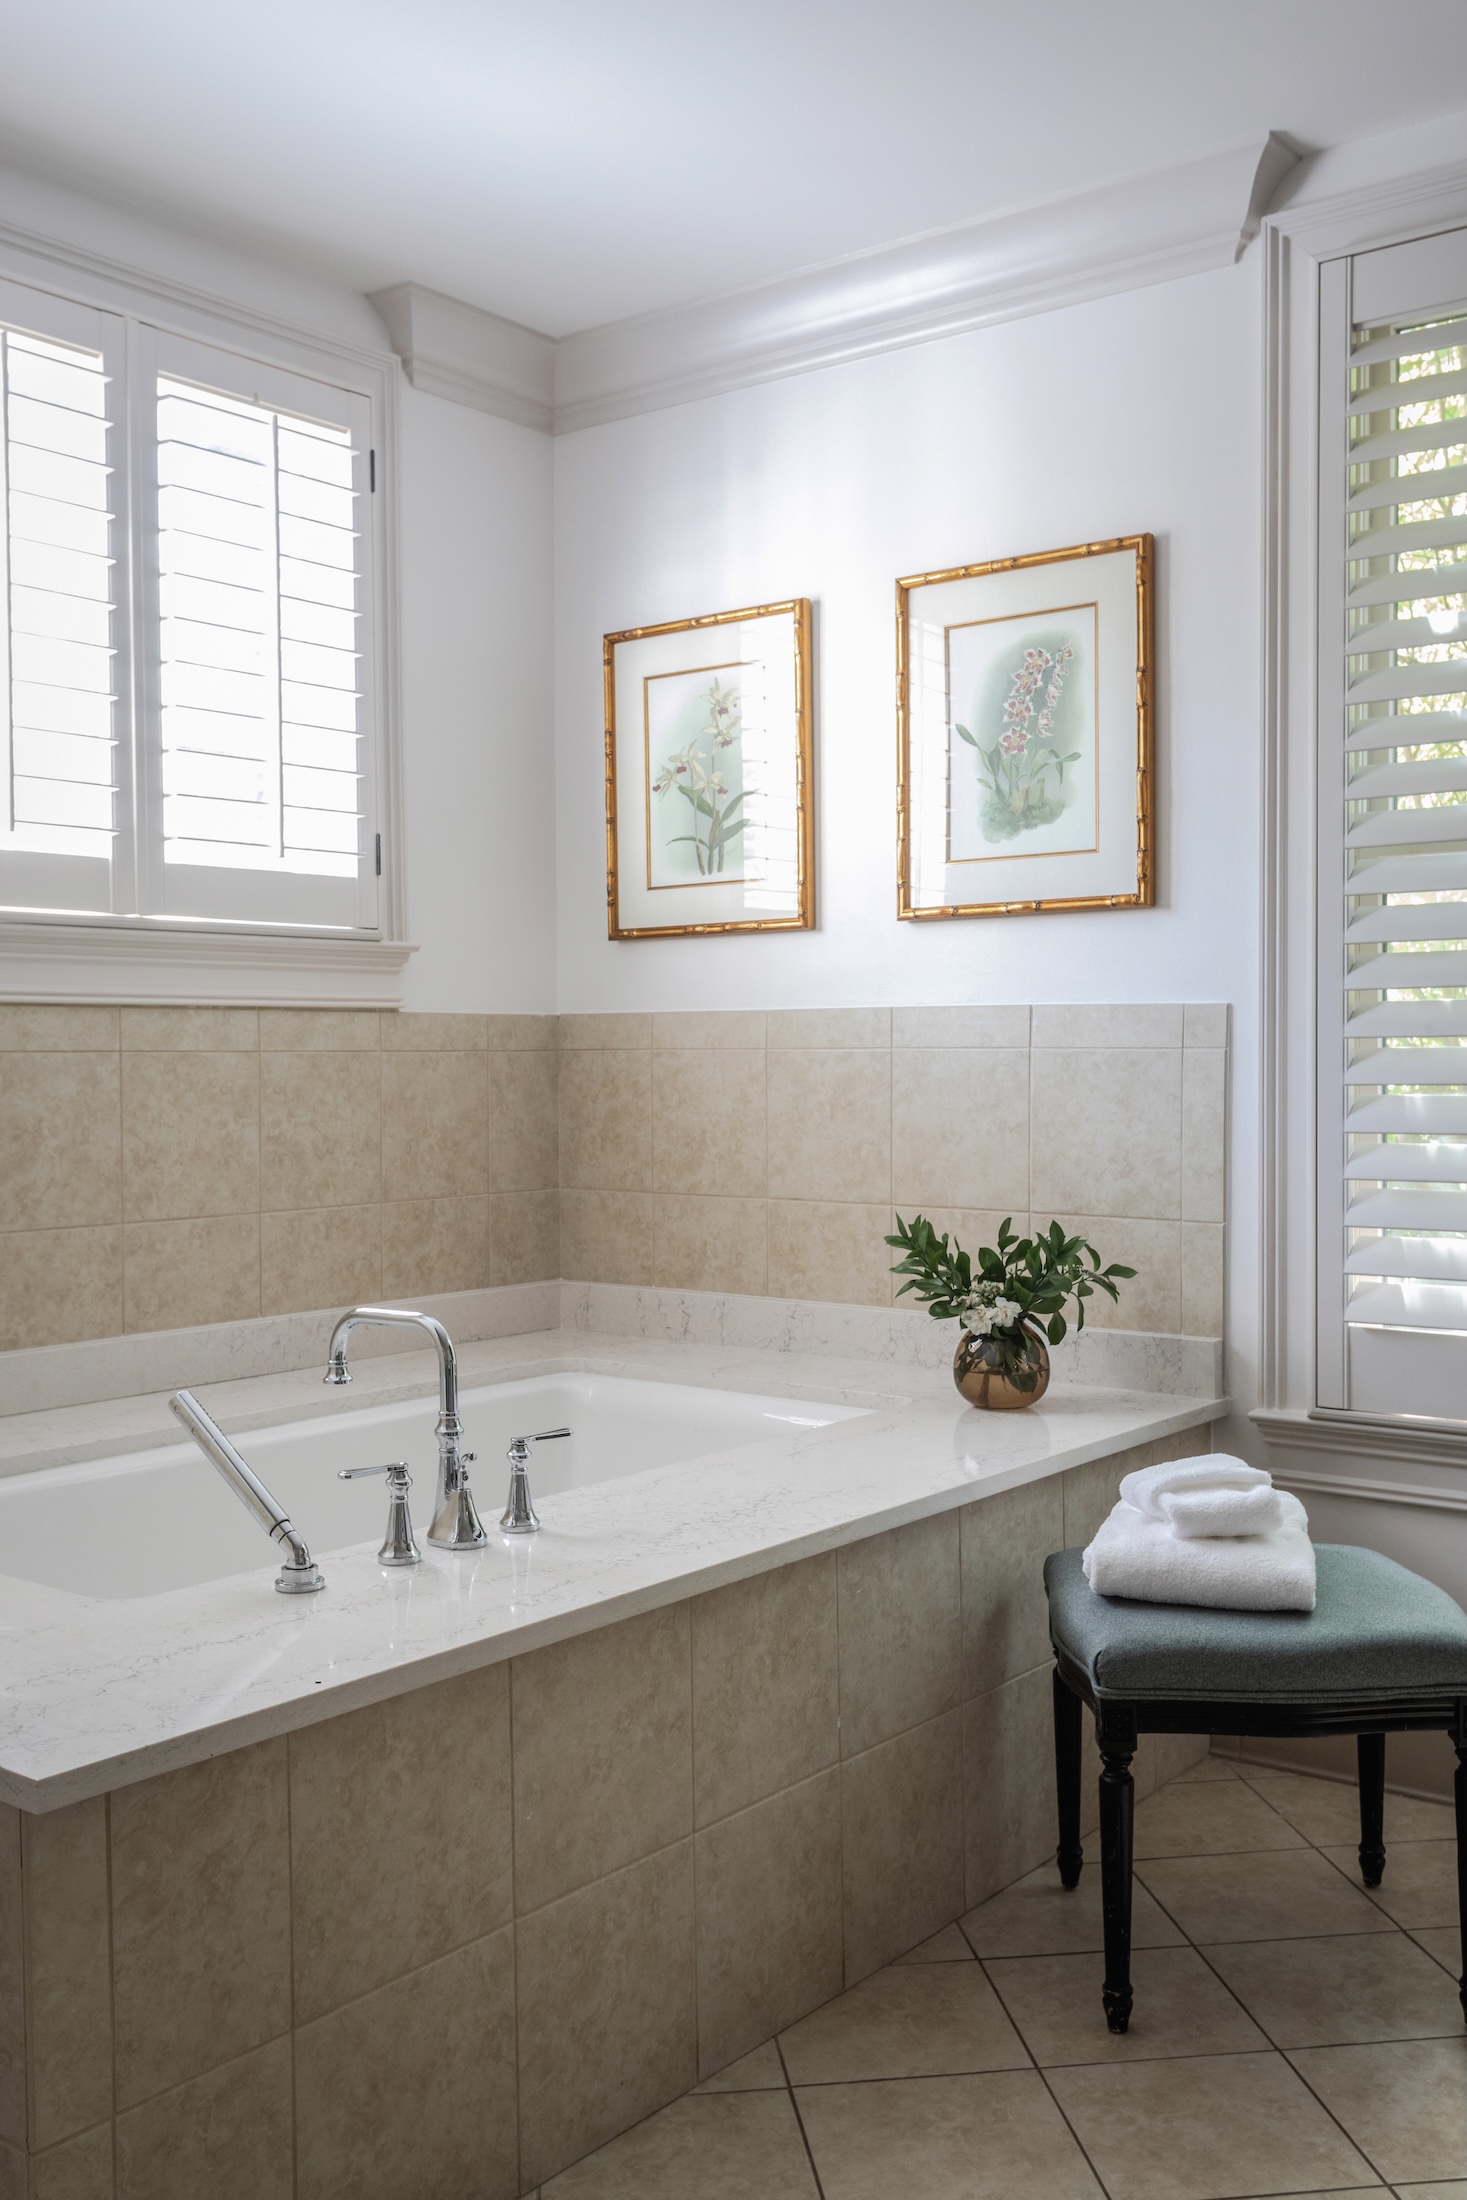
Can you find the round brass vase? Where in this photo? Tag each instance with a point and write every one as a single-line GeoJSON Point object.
{"type": "Point", "coordinates": [985, 1368]}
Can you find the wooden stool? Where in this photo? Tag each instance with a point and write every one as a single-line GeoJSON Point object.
{"type": "Point", "coordinates": [1383, 1652]}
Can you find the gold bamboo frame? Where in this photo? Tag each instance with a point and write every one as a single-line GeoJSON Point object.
{"type": "Point", "coordinates": [804, 918]}
{"type": "Point", "coordinates": [1142, 546]}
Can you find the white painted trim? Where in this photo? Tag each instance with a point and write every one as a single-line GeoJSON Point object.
{"type": "Point", "coordinates": [470, 356]}
{"type": "Point", "coordinates": [148, 962]}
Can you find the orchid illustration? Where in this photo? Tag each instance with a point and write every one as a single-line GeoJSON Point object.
{"type": "Point", "coordinates": [1021, 775]}
{"type": "Point", "coordinates": [703, 772]}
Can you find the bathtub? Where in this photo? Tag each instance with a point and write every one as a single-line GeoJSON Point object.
{"type": "Point", "coordinates": [158, 1520]}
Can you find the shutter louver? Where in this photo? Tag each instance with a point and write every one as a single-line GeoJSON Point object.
{"type": "Point", "coordinates": [1405, 930]}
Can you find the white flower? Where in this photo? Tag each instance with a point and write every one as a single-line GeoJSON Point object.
{"type": "Point", "coordinates": [987, 1311]}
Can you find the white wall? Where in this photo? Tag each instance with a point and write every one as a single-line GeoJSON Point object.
{"type": "Point", "coordinates": [1132, 414]}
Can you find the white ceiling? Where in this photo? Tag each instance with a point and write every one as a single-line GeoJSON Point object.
{"type": "Point", "coordinates": [569, 162]}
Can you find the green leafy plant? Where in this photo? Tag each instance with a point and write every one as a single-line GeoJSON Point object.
{"type": "Point", "coordinates": [702, 772]}
{"type": "Point", "coordinates": [1004, 1290]}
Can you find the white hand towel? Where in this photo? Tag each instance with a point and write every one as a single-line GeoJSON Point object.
{"type": "Point", "coordinates": [1217, 1470]}
{"type": "Point", "coordinates": [1222, 1512]}
{"type": "Point", "coordinates": [1133, 1556]}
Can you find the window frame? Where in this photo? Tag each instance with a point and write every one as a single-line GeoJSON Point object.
{"type": "Point", "coordinates": [124, 957]}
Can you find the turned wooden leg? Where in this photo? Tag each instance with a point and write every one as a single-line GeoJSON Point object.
{"type": "Point", "coordinates": [1460, 1789]}
{"type": "Point", "coordinates": [1068, 1740]}
{"type": "Point", "coordinates": [1371, 1750]}
{"type": "Point", "coordinates": [1117, 1812]}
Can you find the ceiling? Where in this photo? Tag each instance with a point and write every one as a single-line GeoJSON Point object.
{"type": "Point", "coordinates": [570, 162]}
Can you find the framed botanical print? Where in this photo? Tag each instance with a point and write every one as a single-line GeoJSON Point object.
{"type": "Point", "coordinates": [709, 797]}
{"type": "Point", "coordinates": [1024, 735]}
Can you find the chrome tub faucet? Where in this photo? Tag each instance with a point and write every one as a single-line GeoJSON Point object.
{"type": "Point", "coordinates": [519, 1516]}
{"type": "Point", "coordinates": [456, 1525]}
{"type": "Point", "coordinates": [298, 1575]}
{"type": "Point", "coordinates": [399, 1545]}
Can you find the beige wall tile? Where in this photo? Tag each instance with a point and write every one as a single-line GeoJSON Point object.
{"type": "Point", "coordinates": [78, 2169]}
{"type": "Point", "coordinates": [900, 1631]}
{"type": "Point", "coordinates": [228, 2134]}
{"type": "Point", "coordinates": [406, 1031]}
{"type": "Point", "coordinates": [1204, 1133]}
{"type": "Point", "coordinates": [319, 1030]}
{"type": "Point", "coordinates": [64, 1860]}
{"type": "Point", "coordinates": [708, 1121]}
{"type": "Point", "coordinates": [606, 1237]}
{"type": "Point", "coordinates": [524, 1121]}
{"type": "Point", "coordinates": [399, 1835]}
{"type": "Point", "coordinates": [1202, 1279]}
{"type": "Point", "coordinates": [603, 1753]}
{"type": "Point", "coordinates": [434, 1245]}
{"type": "Point", "coordinates": [12, 1981]}
{"type": "Point", "coordinates": [607, 2009]}
{"type": "Point", "coordinates": [766, 1685]}
{"type": "Point", "coordinates": [769, 1918]}
{"type": "Point", "coordinates": [57, 1285]}
{"type": "Point", "coordinates": [709, 1244]}
{"type": "Point", "coordinates": [822, 1250]}
{"type": "Point", "coordinates": [902, 1819]}
{"type": "Point", "coordinates": [960, 1027]}
{"type": "Point", "coordinates": [435, 1125]}
{"type": "Point", "coordinates": [524, 1236]}
{"type": "Point", "coordinates": [605, 1031]}
{"type": "Point", "coordinates": [1088, 1025]}
{"type": "Point", "coordinates": [1005, 1541]}
{"type": "Point", "coordinates": [1106, 1132]}
{"type": "Point", "coordinates": [323, 1256]}
{"type": "Point", "coordinates": [717, 1027]}
{"type": "Point", "coordinates": [178, 1273]}
{"type": "Point", "coordinates": [1152, 1298]}
{"type": "Point", "coordinates": [190, 1135]}
{"type": "Point", "coordinates": [320, 1129]}
{"type": "Point", "coordinates": [200, 1917]}
{"type": "Point", "coordinates": [411, 2091]}
{"type": "Point", "coordinates": [14, 2177]}
{"type": "Point", "coordinates": [523, 1033]}
{"type": "Point", "coordinates": [960, 1127]}
{"type": "Point", "coordinates": [191, 1030]}
{"type": "Point", "coordinates": [1205, 1024]}
{"type": "Point", "coordinates": [56, 1029]}
{"type": "Point", "coordinates": [1008, 1773]}
{"type": "Point", "coordinates": [829, 1027]}
{"type": "Point", "coordinates": [60, 1140]}
{"type": "Point", "coordinates": [830, 1125]}
{"type": "Point", "coordinates": [606, 1120]}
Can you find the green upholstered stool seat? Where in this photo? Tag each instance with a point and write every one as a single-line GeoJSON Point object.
{"type": "Point", "coordinates": [1378, 1632]}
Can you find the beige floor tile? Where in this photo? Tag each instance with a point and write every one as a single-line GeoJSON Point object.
{"type": "Point", "coordinates": [911, 2021]}
{"type": "Point", "coordinates": [1443, 1943]}
{"type": "Point", "coordinates": [1293, 1894]}
{"type": "Point", "coordinates": [1353, 1988]}
{"type": "Point", "coordinates": [1209, 1768]}
{"type": "Point", "coordinates": [1457, 2190]}
{"type": "Point", "coordinates": [756, 2073]}
{"type": "Point", "coordinates": [1329, 1810]}
{"type": "Point", "coordinates": [1209, 1819]}
{"type": "Point", "coordinates": [1404, 2103]}
{"type": "Point", "coordinates": [1420, 1883]}
{"type": "Point", "coordinates": [993, 2137]}
{"type": "Point", "coordinates": [1039, 1917]}
{"type": "Point", "coordinates": [1181, 2008]}
{"type": "Point", "coordinates": [1222, 2125]}
{"type": "Point", "coordinates": [948, 1946]}
{"type": "Point", "coordinates": [743, 2145]}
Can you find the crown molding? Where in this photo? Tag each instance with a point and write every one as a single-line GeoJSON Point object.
{"type": "Point", "coordinates": [153, 965]}
{"type": "Point", "coordinates": [472, 357]}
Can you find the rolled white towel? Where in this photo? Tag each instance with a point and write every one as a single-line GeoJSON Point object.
{"type": "Point", "coordinates": [1133, 1556]}
{"type": "Point", "coordinates": [1216, 1470]}
{"type": "Point", "coordinates": [1222, 1512]}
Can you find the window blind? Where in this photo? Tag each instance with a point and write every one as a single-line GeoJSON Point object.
{"type": "Point", "coordinates": [1402, 1192]}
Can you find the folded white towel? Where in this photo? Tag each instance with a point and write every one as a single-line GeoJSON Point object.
{"type": "Point", "coordinates": [1216, 1470]}
{"type": "Point", "coordinates": [1222, 1512]}
{"type": "Point", "coordinates": [1133, 1556]}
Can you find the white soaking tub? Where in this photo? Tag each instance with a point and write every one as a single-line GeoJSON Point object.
{"type": "Point", "coordinates": [152, 1521]}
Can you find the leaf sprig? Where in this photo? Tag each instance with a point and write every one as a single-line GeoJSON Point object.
{"type": "Point", "coordinates": [1036, 1274]}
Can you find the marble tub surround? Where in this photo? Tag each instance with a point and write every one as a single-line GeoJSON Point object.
{"type": "Point", "coordinates": [454, 1939]}
{"type": "Point", "coordinates": [766, 1153]}
{"type": "Point", "coordinates": [161, 1166]}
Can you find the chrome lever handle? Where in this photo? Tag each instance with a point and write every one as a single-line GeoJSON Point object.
{"type": "Point", "coordinates": [519, 1516]}
{"type": "Point", "coordinates": [399, 1546]}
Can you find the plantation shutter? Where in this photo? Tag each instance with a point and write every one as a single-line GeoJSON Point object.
{"type": "Point", "coordinates": [1392, 1191]}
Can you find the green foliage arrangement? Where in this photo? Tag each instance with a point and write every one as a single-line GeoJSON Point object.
{"type": "Point", "coordinates": [1019, 1283]}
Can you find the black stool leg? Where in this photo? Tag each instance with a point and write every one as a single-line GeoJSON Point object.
{"type": "Point", "coordinates": [1460, 1789]}
{"type": "Point", "coordinates": [1371, 1751]}
{"type": "Point", "coordinates": [1068, 1740]}
{"type": "Point", "coordinates": [1117, 1810]}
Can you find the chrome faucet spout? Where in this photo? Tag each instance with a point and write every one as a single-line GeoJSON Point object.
{"type": "Point", "coordinates": [456, 1525]}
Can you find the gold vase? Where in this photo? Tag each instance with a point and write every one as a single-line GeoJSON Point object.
{"type": "Point", "coordinates": [1002, 1373]}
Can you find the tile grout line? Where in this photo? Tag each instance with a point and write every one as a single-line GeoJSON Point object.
{"type": "Point", "coordinates": [799, 2119]}
{"type": "Point", "coordinates": [1043, 2076]}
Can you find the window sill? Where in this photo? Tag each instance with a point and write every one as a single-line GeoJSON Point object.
{"type": "Point", "coordinates": [1340, 1456]}
{"type": "Point", "coordinates": [143, 963]}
